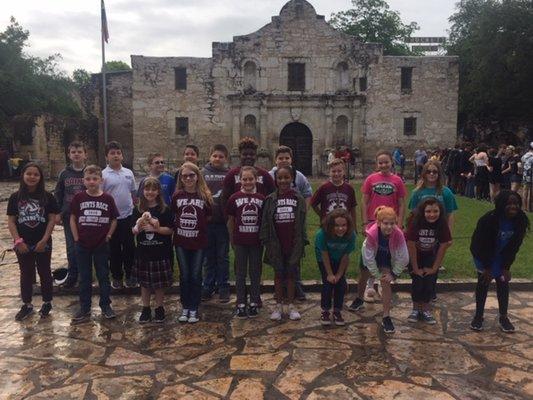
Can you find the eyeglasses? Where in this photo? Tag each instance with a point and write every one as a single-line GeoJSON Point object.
{"type": "Point", "coordinates": [432, 172]}
{"type": "Point", "coordinates": [188, 176]}
{"type": "Point", "coordinates": [159, 162]}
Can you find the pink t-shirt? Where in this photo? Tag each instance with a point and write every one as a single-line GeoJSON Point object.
{"type": "Point", "coordinates": [384, 190]}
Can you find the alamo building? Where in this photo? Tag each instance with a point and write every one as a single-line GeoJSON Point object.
{"type": "Point", "coordinates": [296, 81]}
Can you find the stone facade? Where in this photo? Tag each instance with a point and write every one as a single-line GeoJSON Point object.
{"type": "Point", "coordinates": [296, 81]}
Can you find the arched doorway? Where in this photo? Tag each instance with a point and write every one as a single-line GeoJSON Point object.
{"type": "Point", "coordinates": [299, 138]}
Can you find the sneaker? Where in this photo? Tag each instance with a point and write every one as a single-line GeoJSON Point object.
{"type": "Point", "coordinates": [300, 294]}
{"type": "Point", "coordinates": [369, 295]}
{"type": "Point", "coordinates": [45, 309]}
{"type": "Point", "coordinates": [434, 299]}
{"type": "Point", "coordinates": [260, 303]}
{"type": "Point", "coordinates": [506, 325]}
{"type": "Point", "coordinates": [131, 282]}
{"type": "Point", "coordinates": [146, 315]}
{"type": "Point", "coordinates": [81, 316]}
{"type": "Point", "coordinates": [477, 323]}
{"type": "Point", "coordinates": [223, 295]}
{"type": "Point", "coordinates": [159, 314]}
{"type": "Point", "coordinates": [240, 312]}
{"type": "Point", "coordinates": [413, 317]}
{"type": "Point", "coordinates": [388, 326]}
{"type": "Point", "coordinates": [25, 312]}
{"type": "Point", "coordinates": [337, 318]}
{"type": "Point", "coordinates": [108, 313]}
{"type": "Point", "coordinates": [117, 284]}
{"type": "Point", "coordinates": [276, 314]}
{"type": "Point", "coordinates": [294, 315]}
{"type": "Point", "coordinates": [193, 317]}
{"type": "Point", "coordinates": [428, 318]}
{"type": "Point", "coordinates": [206, 295]}
{"type": "Point", "coordinates": [356, 305]}
{"type": "Point", "coordinates": [253, 310]}
{"type": "Point", "coordinates": [184, 317]}
{"type": "Point", "coordinates": [325, 320]}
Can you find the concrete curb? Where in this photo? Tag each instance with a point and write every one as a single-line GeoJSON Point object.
{"type": "Point", "coordinates": [314, 286]}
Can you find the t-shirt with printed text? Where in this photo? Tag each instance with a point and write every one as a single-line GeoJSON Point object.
{"type": "Point", "coordinates": [336, 247]}
{"type": "Point", "coordinates": [383, 190]}
{"type": "Point", "coordinates": [246, 209]}
{"type": "Point", "coordinates": [428, 238]}
{"type": "Point", "coordinates": [152, 246]}
{"type": "Point", "coordinates": [94, 215]}
{"type": "Point", "coordinates": [329, 197]}
{"type": "Point", "coordinates": [191, 213]}
{"type": "Point", "coordinates": [284, 218]}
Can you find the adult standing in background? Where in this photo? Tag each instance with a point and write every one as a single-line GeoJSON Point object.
{"type": "Point", "coordinates": [527, 178]}
{"type": "Point", "coordinates": [421, 158]}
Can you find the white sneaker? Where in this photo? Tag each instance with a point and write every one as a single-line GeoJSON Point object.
{"type": "Point", "coordinates": [276, 314]}
{"type": "Point", "coordinates": [193, 317]}
{"type": "Point", "coordinates": [184, 317]}
{"type": "Point", "coordinates": [294, 315]}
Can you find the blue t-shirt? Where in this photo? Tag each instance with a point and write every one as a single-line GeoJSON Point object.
{"type": "Point", "coordinates": [505, 233]}
{"type": "Point", "coordinates": [168, 184]}
{"type": "Point", "coordinates": [337, 247]}
{"type": "Point", "coordinates": [446, 198]}
{"type": "Point", "coordinates": [383, 256]}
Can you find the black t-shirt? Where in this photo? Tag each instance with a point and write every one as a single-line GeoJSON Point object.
{"type": "Point", "coordinates": [428, 238]}
{"type": "Point", "coordinates": [32, 217]}
{"type": "Point", "coordinates": [152, 246]}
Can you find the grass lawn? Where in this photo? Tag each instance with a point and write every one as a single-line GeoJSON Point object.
{"type": "Point", "coordinates": [458, 260]}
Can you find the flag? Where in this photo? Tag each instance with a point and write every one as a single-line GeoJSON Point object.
{"type": "Point", "coordinates": [105, 31]}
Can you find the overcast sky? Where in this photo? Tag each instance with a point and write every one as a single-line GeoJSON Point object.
{"type": "Point", "coordinates": [170, 27]}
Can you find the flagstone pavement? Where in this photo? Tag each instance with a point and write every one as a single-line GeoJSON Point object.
{"type": "Point", "coordinates": [224, 358]}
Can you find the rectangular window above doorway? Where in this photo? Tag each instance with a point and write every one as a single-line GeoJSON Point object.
{"type": "Point", "coordinates": [180, 78]}
{"type": "Point", "coordinates": [296, 77]}
{"type": "Point", "coordinates": [182, 126]}
{"type": "Point", "coordinates": [363, 84]}
{"type": "Point", "coordinates": [407, 80]}
{"type": "Point", "coordinates": [409, 126]}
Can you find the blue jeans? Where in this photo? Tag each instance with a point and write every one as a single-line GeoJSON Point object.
{"type": "Point", "coordinates": [71, 248]}
{"type": "Point", "coordinates": [100, 257]}
{"type": "Point", "coordinates": [190, 264]}
{"type": "Point", "coordinates": [216, 269]}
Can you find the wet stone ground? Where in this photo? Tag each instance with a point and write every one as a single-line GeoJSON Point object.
{"type": "Point", "coordinates": [224, 358]}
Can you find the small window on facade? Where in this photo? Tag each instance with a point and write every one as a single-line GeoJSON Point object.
{"type": "Point", "coordinates": [296, 77]}
{"type": "Point", "coordinates": [250, 75]}
{"type": "Point", "coordinates": [343, 76]}
{"type": "Point", "coordinates": [363, 84]}
{"type": "Point", "coordinates": [407, 79]}
{"type": "Point", "coordinates": [180, 75]}
{"type": "Point", "coordinates": [409, 126]}
{"type": "Point", "coordinates": [182, 126]}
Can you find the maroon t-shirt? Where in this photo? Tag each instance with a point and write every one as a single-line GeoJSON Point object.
{"type": "Point", "coordinates": [246, 209]}
{"type": "Point", "coordinates": [265, 184]}
{"type": "Point", "coordinates": [428, 238]}
{"type": "Point", "coordinates": [284, 218]}
{"type": "Point", "coordinates": [329, 197]}
{"type": "Point", "coordinates": [94, 215]}
{"type": "Point", "coordinates": [190, 220]}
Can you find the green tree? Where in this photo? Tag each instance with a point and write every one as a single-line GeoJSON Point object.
{"type": "Point", "coordinates": [81, 78]}
{"type": "Point", "coordinates": [29, 84]}
{"type": "Point", "coordinates": [494, 42]}
{"type": "Point", "coordinates": [116, 66]}
{"type": "Point", "coordinates": [374, 21]}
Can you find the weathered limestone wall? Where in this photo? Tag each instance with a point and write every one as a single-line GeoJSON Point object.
{"type": "Point", "coordinates": [433, 101]}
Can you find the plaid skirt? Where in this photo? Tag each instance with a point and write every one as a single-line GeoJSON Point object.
{"type": "Point", "coordinates": [153, 274]}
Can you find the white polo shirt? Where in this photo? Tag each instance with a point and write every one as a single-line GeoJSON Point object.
{"type": "Point", "coordinates": [120, 184]}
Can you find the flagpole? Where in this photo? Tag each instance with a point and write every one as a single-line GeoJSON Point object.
{"type": "Point", "coordinates": [104, 84]}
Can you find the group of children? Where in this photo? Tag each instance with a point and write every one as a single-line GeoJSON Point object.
{"type": "Point", "coordinates": [195, 217]}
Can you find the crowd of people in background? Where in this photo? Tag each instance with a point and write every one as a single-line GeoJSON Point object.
{"type": "Point", "coordinates": [137, 232]}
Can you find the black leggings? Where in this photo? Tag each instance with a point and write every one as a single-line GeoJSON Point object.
{"type": "Point", "coordinates": [482, 289]}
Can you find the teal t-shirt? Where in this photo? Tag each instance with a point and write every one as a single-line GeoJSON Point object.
{"type": "Point", "coordinates": [446, 198]}
{"type": "Point", "coordinates": [336, 247]}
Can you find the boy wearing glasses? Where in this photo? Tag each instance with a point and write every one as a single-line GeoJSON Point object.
{"type": "Point", "coordinates": [156, 169]}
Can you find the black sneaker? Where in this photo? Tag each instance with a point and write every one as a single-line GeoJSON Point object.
{"type": "Point", "coordinates": [108, 312]}
{"type": "Point", "coordinates": [337, 318]}
{"type": "Point", "coordinates": [356, 305]}
{"type": "Point", "coordinates": [45, 309]}
{"type": "Point", "coordinates": [117, 284]}
{"type": "Point", "coordinates": [325, 318]}
{"type": "Point", "coordinates": [240, 312]}
{"type": "Point", "coordinates": [388, 326]}
{"type": "Point", "coordinates": [131, 282]}
{"type": "Point", "coordinates": [253, 310]}
{"type": "Point", "coordinates": [506, 325]}
{"type": "Point", "coordinates": [146, 315]}
{"type": "Point", "coordinates": [25, 312]}
{"type": "Point", "coordinates": [81, 316]}
{"type": "Point", "coordinates": [159, 314]}
{"type": "Point", "coordinates": [260, 303]}
{"type": "Point", "coordinates": [223, 295]}
{"type": "Point", "coordinates": [477, 323]}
